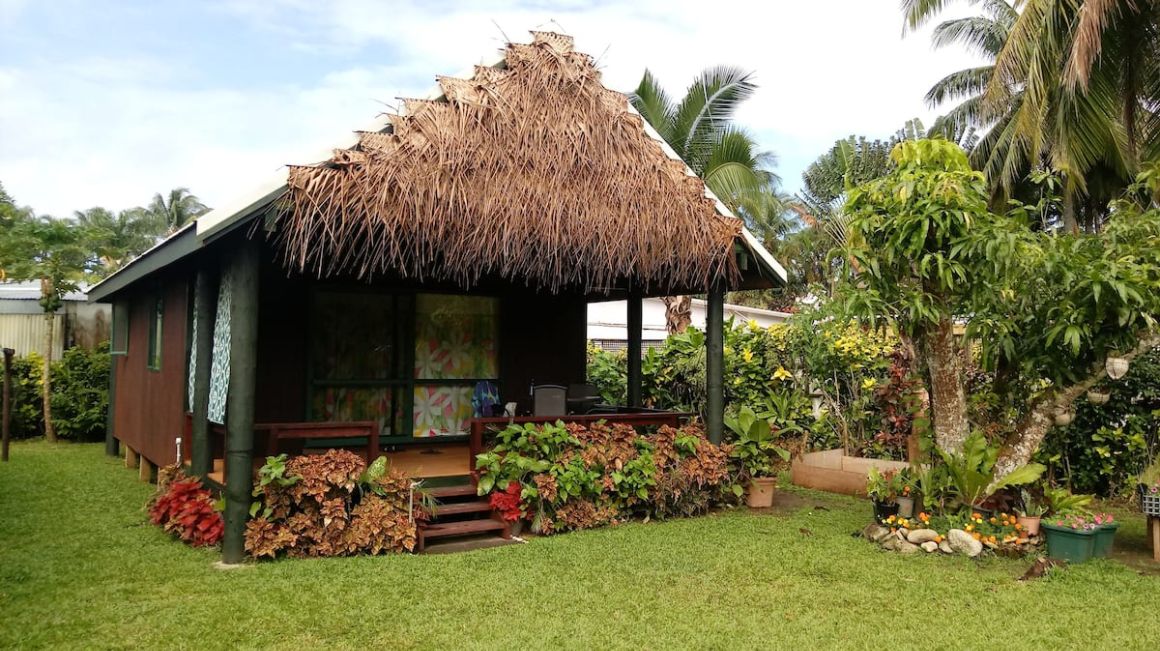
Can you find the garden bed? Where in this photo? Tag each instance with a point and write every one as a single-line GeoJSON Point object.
{"type": "Point", "coordinates": [835, 472]}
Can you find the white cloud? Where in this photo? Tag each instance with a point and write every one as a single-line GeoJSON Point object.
{"type": "Point", "coordinates": [113, 131]}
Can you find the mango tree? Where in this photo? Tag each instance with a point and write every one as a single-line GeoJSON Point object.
{"type": "Point", "coordinates": [929, 259]}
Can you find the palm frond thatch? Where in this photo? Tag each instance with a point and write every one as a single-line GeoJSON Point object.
{"type": "Point", "coordinates": [534, 172]}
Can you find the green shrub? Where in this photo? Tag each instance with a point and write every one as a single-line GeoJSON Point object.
{"type": "Point", "coordinates": [608, 372]}
{"type": "Point", "coordinates": [1106, 445]}
{"type": "Point", "coordinates": [80, 393]}
{"type": "Point", "coordinates": [27, 408]}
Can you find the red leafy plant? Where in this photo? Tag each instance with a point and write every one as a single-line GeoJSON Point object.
{"type": "Point", "coordinates": [185, 508]}
{"type": "Point", "coordinates": [507, 502]}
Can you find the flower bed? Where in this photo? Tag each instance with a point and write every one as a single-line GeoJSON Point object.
{"type": "Point", "coordinates": [970, 534]}
{"type": "Point", "coordinates": [565, 477]}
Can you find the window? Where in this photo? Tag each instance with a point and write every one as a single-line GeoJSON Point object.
{"type": "Point", "coordinates": [119, 341]}
{"type": "Point", "coordinates": [154, 360]}
{"type": "Point", "coordinates": [409, 362]}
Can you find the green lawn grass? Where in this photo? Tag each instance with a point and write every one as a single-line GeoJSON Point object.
{"type": "Point", "coordinates": [80, 567]}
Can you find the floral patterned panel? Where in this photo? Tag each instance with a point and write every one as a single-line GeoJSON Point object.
{"type": "Point", "coordinates": [442, 410]}
{"type": "Point", "coordinates": [455, 337]}
{"type": "Point", "coordinates": [347, 404]}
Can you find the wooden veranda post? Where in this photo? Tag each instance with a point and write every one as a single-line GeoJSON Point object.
{"type": "Point", "coordinates": [715, 363]}
{"type": "Point", "coordinates": [110, 435]}
{"type": "Point", "coordinates": [205, 308]}
{"type": "Point", "coordinates": [6, 414]}
{"type": "Point", "coordinates": [635, 326]}
{"type": "Point", "coordinates": [240, 399]}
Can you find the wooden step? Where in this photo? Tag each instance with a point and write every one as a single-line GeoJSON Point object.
{"type": "Point", "coordinates": [460, 490]}
{"type": "Point", "coordinates": [459, 508]}
{"type": "Point", "coordinates": [462, 528]}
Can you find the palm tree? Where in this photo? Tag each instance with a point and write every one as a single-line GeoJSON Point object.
{"type": "Point", "coordinates": [1035, 116]}
{"type": "Point", "coordinates": [116, 238]}
{"type": "Point", "coordinates": [179, 208]}
{"type": "Point", "coordinates": [701, 131]}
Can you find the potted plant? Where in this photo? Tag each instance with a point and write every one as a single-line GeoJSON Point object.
{"type": "Point", "coordinates": [758, 454]}
{"type": "Point", "coordinates": [1070, 538]}
{"type": "Point", "coordinates": [906, 493]}
{"type": "Point", "coordinates": [882, 489]}
{"type": "Point", "coordinates": [1030, 514]}
{"type": "Point", "coordinates": [1063, 417]}
{"type": "Point", "coordinates": [1105, 534]}
{"type": "Point", "coordinates": [1098, 396]}
{"type": "Point", "coordinates": [1117, 367]}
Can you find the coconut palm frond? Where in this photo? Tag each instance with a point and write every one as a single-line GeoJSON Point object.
{"type": "Point", "coordinates": [708, 108]}
{"type": "Point", "coordinates": [655, 105]}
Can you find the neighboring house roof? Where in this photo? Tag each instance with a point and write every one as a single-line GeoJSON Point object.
{"type": "Point", "coordinates": [30, 291]}
{"type": "Point", "coordinates": [608, 321]}
{"type": "Point", "coordinates": [360, 168]}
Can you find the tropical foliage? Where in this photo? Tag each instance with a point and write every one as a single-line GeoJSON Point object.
{"type": "Point", "coordinates": [927, 254]}
{"type": "Point", "coordinates": [568, 476]}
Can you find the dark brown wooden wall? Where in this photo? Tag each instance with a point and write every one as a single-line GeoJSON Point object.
{"type": "Point", "coordinates": [542, 338]}
{"type": "Point", "coordinates": [283, 348]}
{"type": "Point", "coordinates": [149, 406]}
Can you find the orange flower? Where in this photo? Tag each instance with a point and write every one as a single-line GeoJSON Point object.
{"type": "Point", "coordinates": [1018, 527]}
{"type": "Point", "coordinates": [976, 536]}
{"type": "Point", "coordinates": [995, 521]}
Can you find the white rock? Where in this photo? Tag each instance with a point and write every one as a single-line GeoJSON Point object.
{"type": "Point", "coordinates": [919, 536]}
{"type": "Point", "coordinates": [945, 547]}
{"type": "Point", "coordinates": [929, 546]}
{"type": "Point", "coordinates": [963, 543]}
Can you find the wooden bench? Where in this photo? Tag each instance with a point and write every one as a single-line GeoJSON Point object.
{"type": "Point", "coordinates": [279, 432]}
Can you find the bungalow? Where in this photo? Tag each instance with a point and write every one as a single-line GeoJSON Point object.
{"type": "Point", "coordinates": [436, 263]}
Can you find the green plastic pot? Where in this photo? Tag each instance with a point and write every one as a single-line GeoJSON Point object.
{"type": "Point", "coordinates": [1105, 536]}
{"type": "Point", "coordinates": [1067, 544]}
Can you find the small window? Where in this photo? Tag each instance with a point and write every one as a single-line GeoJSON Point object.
{"type": "Point", "coordinates": [155, 334]}
{"type": "Point", "coordinates": [120, 339]}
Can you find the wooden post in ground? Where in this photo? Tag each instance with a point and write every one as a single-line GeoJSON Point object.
{"type": "Point", "coordinates": [130, 457]}
{"type": "Point", "coordinates": [110, 435]}
{"type": "Point", "coordinates": [715, 363]}
{"type": "Point", "coordinates": [635, 326]}
{"type": "Point", "coordinates": [240, 398]}
{"type": "Point", "coordinates": [1154, 536]}
{"type": "Point", "coordinates": [6, 408]}
{"type": "Point", "coordinates": [145, 472]}
{"type": "Point", "coordinates": [205, 308]}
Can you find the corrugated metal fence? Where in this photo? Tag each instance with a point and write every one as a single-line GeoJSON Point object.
{"type": "Point", "coordinates": [24, 333]}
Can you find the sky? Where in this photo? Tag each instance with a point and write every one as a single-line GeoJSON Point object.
{"type": "Point", "coordinates": [104, 103]}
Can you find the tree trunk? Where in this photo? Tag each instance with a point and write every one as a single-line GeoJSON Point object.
{"type": "Point", "coordinates": [1070, 223]}
{"type": "Point", "coordinates": [46, 373]}
{"type": "Point", "coordinates": [1031, 431]}
{"type": "Point", "coordinates": [678, 313]}
{"type": "Point", "coordinates": [948, 398]}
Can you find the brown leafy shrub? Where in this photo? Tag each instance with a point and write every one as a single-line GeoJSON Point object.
{"type": "Point", "coordinates": [333, 505]}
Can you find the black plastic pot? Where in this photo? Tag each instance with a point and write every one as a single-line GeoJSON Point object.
{"type": "Point", "coordinates": [883, 510]}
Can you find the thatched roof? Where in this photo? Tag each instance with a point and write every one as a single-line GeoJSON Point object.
{"type": "Point", "coordinates": [532, 171]}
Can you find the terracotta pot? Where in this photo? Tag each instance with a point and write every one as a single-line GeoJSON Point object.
{"type": "Point", "coordinates": [905, 506]}
{"type": "Point", "coordinates": [761, 492]}
{"type": "Point", "coordinates": [1029, 523]}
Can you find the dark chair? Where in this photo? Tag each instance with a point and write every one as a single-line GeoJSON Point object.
{"type": "Point", "coordinates": [582, 398]}
{"type": "Point", "coordinates": [549, 400]}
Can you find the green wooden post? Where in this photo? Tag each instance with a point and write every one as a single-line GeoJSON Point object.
{"type": "Point", "coordinates": [635, 325]}
{"type": "Point", "coordinates": [6, 407]}
{"type": "Point", "coordinates": [240, 399]}
{"type": "Point", "coordinates": [715, 363]}
{"type": "Point", "coordinates": [205, 309]}
{"type": "Point", "coordinates": [110, 436]}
